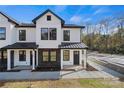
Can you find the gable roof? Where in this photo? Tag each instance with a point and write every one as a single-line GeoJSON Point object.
{"type": "Point", "coordinates": [48, 10]}
{"type": "Point", "coordinates": [10, 19]}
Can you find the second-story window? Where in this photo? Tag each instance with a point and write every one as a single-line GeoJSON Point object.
{"type": "Point", "coordinates": [2, 33]}
{"type": "Point", "coordinates": [52, 32]}
{"type": "Point", "coordinates": [66, 35]}
{"type": "Point", "coordinates": [44, 33]}
{"type": "Point", "coordinates": [22, 35]}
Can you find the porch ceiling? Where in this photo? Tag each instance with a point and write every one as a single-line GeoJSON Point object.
{"type": "Point", "coordinates": [20, 45]}
{"type": "Point", "coordinates": [72, 45]}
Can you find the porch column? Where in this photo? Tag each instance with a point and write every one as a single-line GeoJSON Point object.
{"type": "Point", "coordinates": [61, 54]}
{"type": "Point", "coordinates": [8, 60]}
{"type": "Point", "coordinates": [37, 57]}
{"type": "Point", "coordinates": [33, 58]}
{"type": "Point", "coordinates": [85, 58]}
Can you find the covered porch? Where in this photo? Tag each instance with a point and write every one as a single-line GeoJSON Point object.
{"type": "Point", "coordinates": [73, 54]}
{"type": "Point", "coordinates": [21, 55]}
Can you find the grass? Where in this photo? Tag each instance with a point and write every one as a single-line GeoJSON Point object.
{"type": "Point", "coordinates": [73, 83]}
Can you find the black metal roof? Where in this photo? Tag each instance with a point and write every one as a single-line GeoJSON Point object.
{"type": "Point", "coordinates": [72, 45]}
{"type": "Point", "coordinates": [48, 10]}
{"type": "Point", "coordinates": [72, 26]}
{"type": "Point", "coordinates": [19, 45]}
{"type": "Point", "coordinates": [9, 18]}
{"type": "Point", "coordinates": [26, 25]}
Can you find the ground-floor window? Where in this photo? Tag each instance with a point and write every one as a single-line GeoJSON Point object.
{"type": "Point", "coordinates": [45, 56]}
{"type": "Point", "coordinates": [22, 55]}
{"type": "Point", "coordinates": [66, 55]}
{"type": "Point", "coordinates": [49, 55]}
{"type": "Point", "coordinates": [53, 56]}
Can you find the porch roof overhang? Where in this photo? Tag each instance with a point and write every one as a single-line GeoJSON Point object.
{"type": "Point", "coordinates": [72, 45]}
{"type": "Point", "coordinates": [21, 45]}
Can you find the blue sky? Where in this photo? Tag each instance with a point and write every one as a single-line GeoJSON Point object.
{"type": "Point", "coordinates": [71, 14]}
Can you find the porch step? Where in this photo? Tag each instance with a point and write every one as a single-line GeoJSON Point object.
{"type": "Point", "coordinates": [72, 68]}
{"type": "Point", "coordinates": [22, 68]}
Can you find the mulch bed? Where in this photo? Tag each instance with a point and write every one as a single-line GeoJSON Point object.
{"type": "Point", "coordinates": [39, 69]}
{"type": "Point", "coordinates": [3, 69]}
{"type": "Point", "coordinates": [90, 68]}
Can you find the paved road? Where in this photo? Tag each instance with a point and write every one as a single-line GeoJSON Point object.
{"type": "Point", "coordinates": [114, 59]}
{"type": "Point", "coordinates": [117, 60]}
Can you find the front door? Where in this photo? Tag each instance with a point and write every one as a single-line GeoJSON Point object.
{"type": "Point", "coordinates": [24, 57]}
{"type": "Point", "coordinates": [76, 57]}
{"type": "Point", "coordinates": [12, 59]}
{"type": "Point", "coordinates": [31, 56]}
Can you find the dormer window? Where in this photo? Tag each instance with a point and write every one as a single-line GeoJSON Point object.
{"type": "Point", "coordinates": [48, 17]}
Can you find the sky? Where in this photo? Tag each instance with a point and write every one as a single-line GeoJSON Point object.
{"type": "Point", "coordinates": [71, 14]}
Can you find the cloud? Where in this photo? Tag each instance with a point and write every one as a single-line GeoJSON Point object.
{"type": "Point", "coordinates": [76, 19]}
{"type": "Point", "coordinates": [60, 8]}
{"type": "Point", "coordinates": [100, 10]}
{"type": "Point", "coordinates": [87, 19]}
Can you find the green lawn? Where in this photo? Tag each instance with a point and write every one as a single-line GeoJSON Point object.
{"type": "Point", "coordinates": [71, 83]}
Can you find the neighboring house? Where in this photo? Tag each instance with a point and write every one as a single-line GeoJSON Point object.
{"type": "Point", "coordinates": [46, 43]}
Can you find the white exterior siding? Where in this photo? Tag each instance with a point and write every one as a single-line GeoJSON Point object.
{"type": "Point", "coordinates": [43, 23]}
{"type": "Point", "coordinates": [74, 34]}
{"type": "Point", "coordinates": [30, 34]}
{"type": "Point", "coordinates": [9, 29]}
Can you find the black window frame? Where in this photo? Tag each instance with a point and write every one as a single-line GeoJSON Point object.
{"type": "Point", "coordinates": [22, 57]}
{"type": "Point", "coordinates": [66, 37]}
{"type": "Point", "coordinates": [54, 37]}
{"type": "Point", "coordinates": [3, 33]}
{"type": "Point", "coordinates": [64, 59]}
{"type": "Point", "coordinates": [48, 17]}
{"type": "Point", "coordinates": [46, 38]}
{"type": "Point", "coordinates": [21, 36]}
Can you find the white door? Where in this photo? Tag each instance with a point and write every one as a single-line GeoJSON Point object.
{"type": "Point", "coordinates": [22, 57]}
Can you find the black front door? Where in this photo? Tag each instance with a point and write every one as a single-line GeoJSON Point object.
{"type": "Point", "coordinates": [12, 59]}
{"type": "Point", "coordinates": [76, 57]}
{"type": "Point", "coordinates": [31, 58]}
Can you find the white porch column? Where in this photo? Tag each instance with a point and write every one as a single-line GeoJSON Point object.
{"type": "Point", "coordinates": [8, 60]}
{"type": "Point", "coordinates": [33, 58]}
{"type": "Point", "coordinates": [61, 59]}
{"type": "Point", "coordinates": [85, 58]}
{"type": "Point", "coordinates": [37, 56]}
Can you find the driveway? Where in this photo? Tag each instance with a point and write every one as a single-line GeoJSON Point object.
{"type": "Point", "coordinates": [28, 75]}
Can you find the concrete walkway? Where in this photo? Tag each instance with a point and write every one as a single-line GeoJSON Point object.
{"type": "Point", "coordinates": [85, 74]}
{"type": "Point", "coordinates": [28, 75]}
